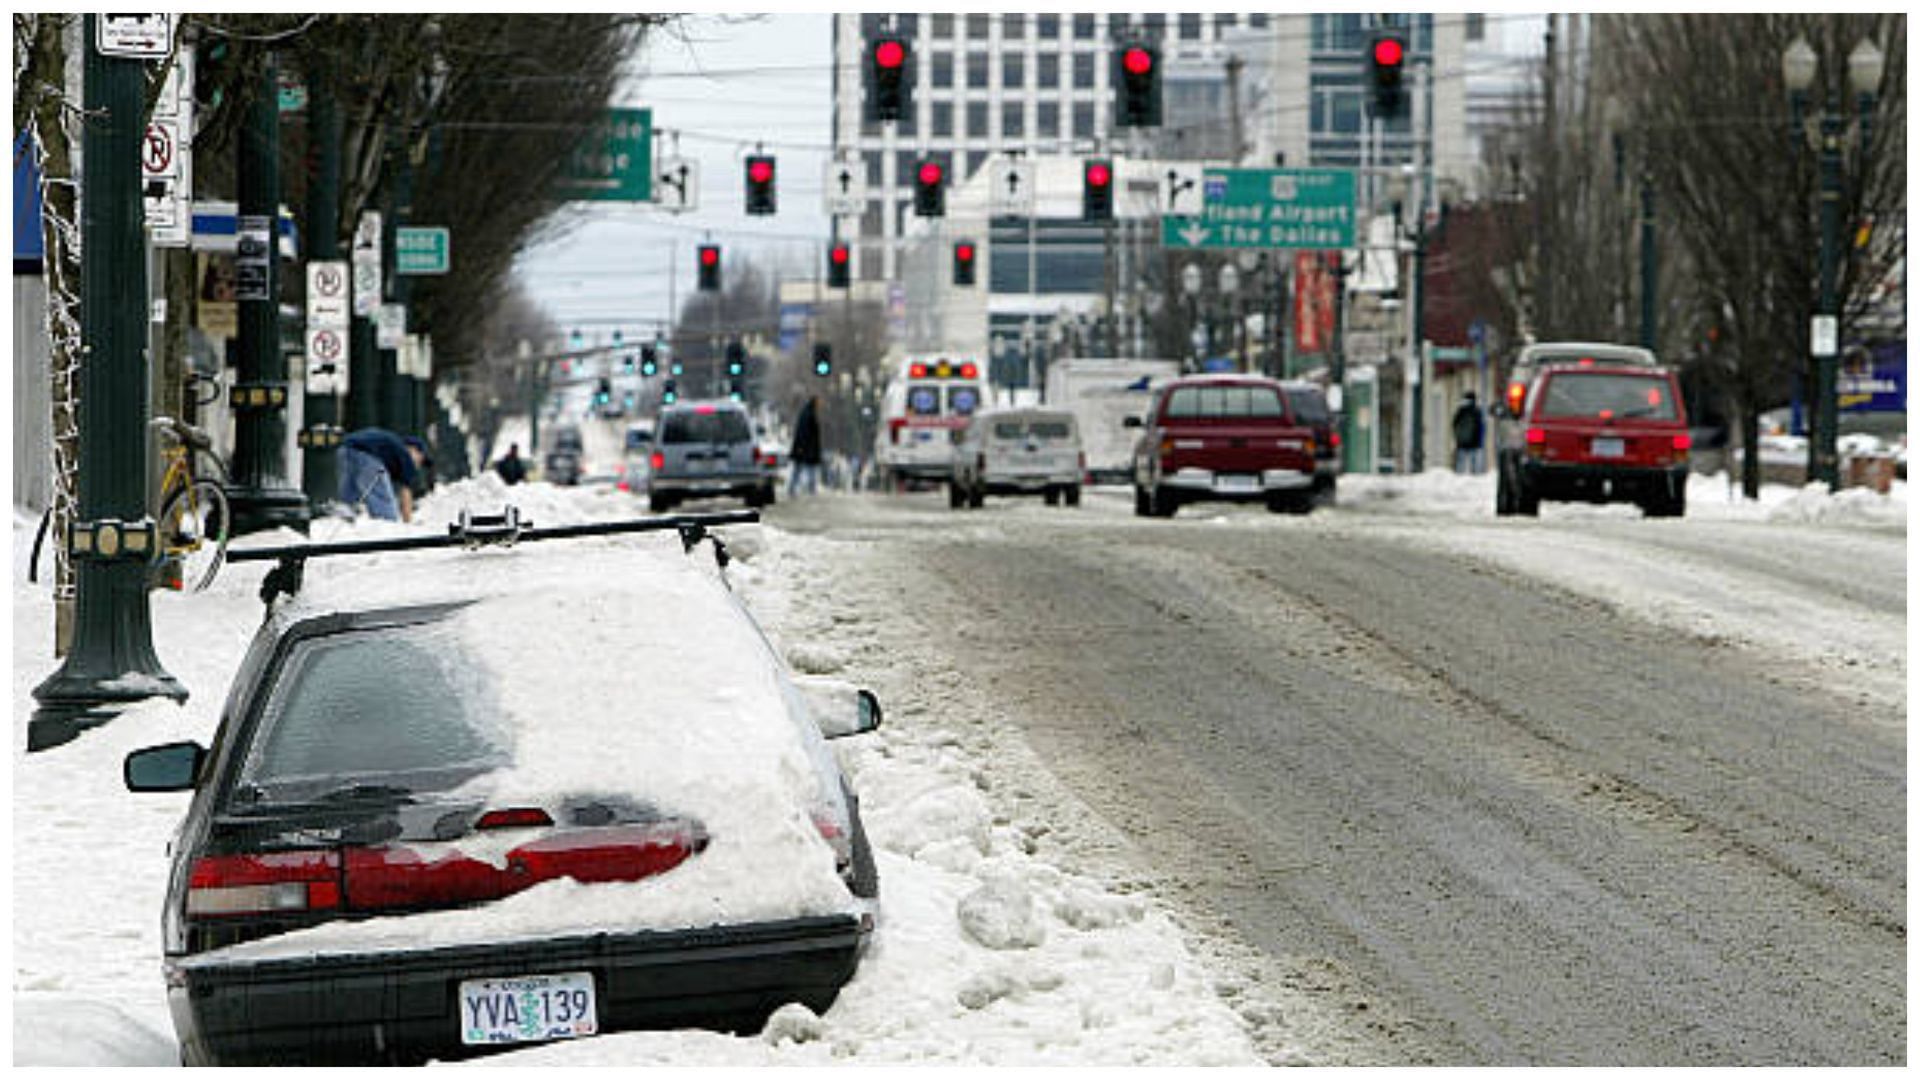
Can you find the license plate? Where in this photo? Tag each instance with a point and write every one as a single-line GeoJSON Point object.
{"type": "Point", "coordinates": [1238, 482]}
{"type": "Point", "coordinates": [1609, 447]}
{"type": "Point", "coordinates": [527, 1008]}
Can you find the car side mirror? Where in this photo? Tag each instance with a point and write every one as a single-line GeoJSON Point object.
{"type": "Point", "coordinates": [171, 767]}
{"type": "Point", "coordinates": [839, 707]}
{"type": "Point", "coordinates": [1133, 421]}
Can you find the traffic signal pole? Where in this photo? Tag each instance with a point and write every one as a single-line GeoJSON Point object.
{"type": "Point", "coordinates": [111, 542]}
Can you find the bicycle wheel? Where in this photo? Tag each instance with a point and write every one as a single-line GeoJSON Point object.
{"type": "Point", "coordinates": [194, 526]}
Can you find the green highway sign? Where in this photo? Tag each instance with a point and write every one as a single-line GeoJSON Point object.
{"type": "Point", "coordinates": [422, 249]}
{"type": "Point", "coordinates": [614, 161]}
{"type": "Point", "coordinates": [1267, 208]}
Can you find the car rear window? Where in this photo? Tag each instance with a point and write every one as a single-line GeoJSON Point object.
{"type": "Point", "coordinates": [1309, 406]}
{"type": "Point", "coordinates": [1043, 430]}
{"type": "Point", "coordinates": [1224, 403]}
{"type": "Point", "coordinates": [1602, 394]}
{"type": "Point", "coordinates": [963, 400]}
{"type": "Point", "coordinates": [923, 400]}
{"type": "Point", "coordinates": [639, 439]}
{"type": "Point", "coordinates": [721, 425]}
{"type": "Point", "coordinates": [394, 705]}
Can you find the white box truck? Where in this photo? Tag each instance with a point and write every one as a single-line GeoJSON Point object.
{"type": "Point", "coordinates": [1101, 394]}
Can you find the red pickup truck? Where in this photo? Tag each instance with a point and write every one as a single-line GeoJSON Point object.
{"type": "Point", "coordinates": [1232, 438]}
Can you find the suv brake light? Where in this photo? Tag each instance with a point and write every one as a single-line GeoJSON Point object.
{"type": "Point", "coordinates": [266, 883]}
{"type": "Point", "coordinates": [1683, 441]}
{"type": "Point", "coordinates": [1536, 436]}
{"type": "Point", "coordinates": [658, 461]}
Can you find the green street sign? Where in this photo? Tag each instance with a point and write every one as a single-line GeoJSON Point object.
{"type": "Point", "coordinates": [1309, 209]}
{"type": "Point", "coordinates": [614, 161]}
{"type": "Point", "coordinates": [422, 249]}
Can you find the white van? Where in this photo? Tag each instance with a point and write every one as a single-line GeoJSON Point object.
{"type": "Point", "coordinates": [928, 398]}
{"type": "Point", "coordinates": [1018, 452]}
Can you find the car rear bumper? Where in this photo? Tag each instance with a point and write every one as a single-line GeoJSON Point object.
{"type": "Point", "coordinates": [403, 1007]}
{"type": "Point", "coordinates": [1600, 482]}
{"type": "Point", "coordinates": [1205, 483]}
{"type": "Point", "coordinates": [712, 483]}
{"type": "Point", "coordinates": [1000, 483]}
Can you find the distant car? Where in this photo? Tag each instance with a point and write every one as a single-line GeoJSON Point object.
{"type": "Point", "coordinates": [706, 448]}
{"type": "Point", "coordinates": [1230, 438]}
{"type": "Point", "coordinates": [1309, 405]}
{"type": "Point", "coordinates": [516, 796]}
{"type": "Point", "coordinates": [1017, 452]}
{"type": "Point", "coordinates": [636, 459]}
{"type": "Point", "coordinates": [564, 452]}
{"type": "Point", "coordinates": [1593, 430]}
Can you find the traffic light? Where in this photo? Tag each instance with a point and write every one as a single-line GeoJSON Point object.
{"type": "Point", "coordinates": [709, 268]}
{"type": "Point", "coordinates": [603, 393]}
{"type": "Point", "coordinates": [1096, 191]}
{"type": "Point", "coordinates": [760, 194]}
{"type": "Point", "coordinates": [735, 390]}
{"type": "Point", "coordinates": [668, 395]}
{"type": "Point", "coordinates": [1136, 82]}
{"type": "Point", "coordinates": [736, 359]}
{"type": "Point", "coordinates": [889, 79]}
{"type": "Point", "coordinates": [627, 363]}
{"type": "Point", "coordinates": [678, 368]}
{"type": "Point", "coordinates": [929, 190]}
{"type": "Point", "coordinates": [649, 361]}
{"type": "Point", "coordinates": [839, 266]}
{"type": "Point", "coordinates": [1387, 59]}
{"type": "Point", "coordinates": [212, 70]}
{"type": "Point", "coordinates": [823, 360]}
{"type": "Point", "coordinates": [963, 257]}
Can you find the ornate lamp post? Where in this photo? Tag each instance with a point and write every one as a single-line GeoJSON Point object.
{"type": "Point", "coordinates": [1799, 66]}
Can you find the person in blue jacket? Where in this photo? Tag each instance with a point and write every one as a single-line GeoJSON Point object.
{"type": "Point", "coordinates": [379, 470]}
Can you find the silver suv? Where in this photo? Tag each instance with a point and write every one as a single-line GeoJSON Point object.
{"type": "Point", "coordinates": [1017, 452]}
{"type": "Point", "coordinates": [704, 448]}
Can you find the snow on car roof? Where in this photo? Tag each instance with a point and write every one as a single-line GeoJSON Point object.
{"type": "Point", "coordinates": [619, 666]}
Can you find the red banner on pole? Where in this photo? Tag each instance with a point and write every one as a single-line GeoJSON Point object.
{"type": "Point", "coordinates": [1313, 300]}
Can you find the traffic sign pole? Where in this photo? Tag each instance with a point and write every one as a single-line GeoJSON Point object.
{"type": "Point", "coordinates": [112, 663]}
{"type": "Point", "coordinates": [329, 301]}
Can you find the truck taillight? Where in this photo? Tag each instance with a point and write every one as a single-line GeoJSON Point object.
{"type": "Point", "coordinates": [263, 884]}
{"type": "Point", "coordinates": [658, 461]}
{"type": "Point", "coordinates": [1166, 449]}
{"type": "Point", "coordinates": [1536, 436]}
{"type": "Point", "coordinates": [1683, 442]}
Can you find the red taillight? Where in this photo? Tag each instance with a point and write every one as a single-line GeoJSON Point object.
{"type": "Point", "coordinates": [263, 884]}
{"type": "Point", "coordinates": [1683, 441]}
{"type": "Point", "coordinates": [622, 485]}
{"type": "Point", "coordinates": [519, 817]}
{"type": "Point", "coordinates": [658, 460]}
{"type": "Point", "coordinates": [1536, 436]}
{"type": "Point", "coordinates": [396, 877]}
{"type": "Point", "coordinates": [1333, 440]}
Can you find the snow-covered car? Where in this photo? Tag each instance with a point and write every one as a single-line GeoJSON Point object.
{"type": "Point", "coordinates": [507, 796]}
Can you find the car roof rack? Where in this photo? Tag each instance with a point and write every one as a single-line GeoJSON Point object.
{"type": "Point", "coordinates": [494, 530]}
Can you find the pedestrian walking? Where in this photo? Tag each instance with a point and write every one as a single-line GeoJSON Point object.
{"type": "Point", "coordinates": [379, 470]}
{"type": "Point", "coordinates": [1469, 437]}
{"type": "Point", "coordinates": [805, 453]}
{"type": "Point", "coordinates": [511, 468]}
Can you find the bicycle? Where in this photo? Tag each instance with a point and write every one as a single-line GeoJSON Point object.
{"type": "Point", "coordinates": [195, 521]}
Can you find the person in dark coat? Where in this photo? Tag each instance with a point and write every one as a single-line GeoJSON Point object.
{"type": "Point", "coordinates": [805, 453]}
{"type": "Point", "coordinates": [1469, 437]}
{"type": "Point", "coordinates": [511, 468]}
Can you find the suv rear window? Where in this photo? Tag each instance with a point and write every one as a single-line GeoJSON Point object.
{"type": "Point", "coordinates": [1224, 402]}
{"type": "Point", "coordinates": [721, 425]}
{"type": "Point", "coordinates": [369, 703]}
{"type": "Point", "coordinates": [1580, 393]}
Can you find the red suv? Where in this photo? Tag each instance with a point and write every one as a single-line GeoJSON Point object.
{"type": "Point", "coordinates": [1232, 438]}
{"type": "Point", "coordinates": [1593, 431]}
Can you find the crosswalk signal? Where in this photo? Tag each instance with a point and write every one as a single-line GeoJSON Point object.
{"type": "Point", "coordinates": [1096, 191]}
{"type": "Point", "coordinates": [649, 361]}
{"type": "Point", "coordinates": [839, 266]}
{"type": "Point", "coordinates": [963, 259]}
{"type": "Point", "coordinates": [889, 79]}
{"type": "Point", "coordinates": [1136, 81]}
{"type": "Point", "coordinates": [709, 268]}
{"type": "Point", "coordinates": [929, 190]}
{"type": "Point", "coordinates": [760, 194]}
{"type": "Point", "coordinates": [1387, 61]}
{"type": "Point", "coordinates": [823, 360]}
{"type": "Point", "coordinates": [736, 359]}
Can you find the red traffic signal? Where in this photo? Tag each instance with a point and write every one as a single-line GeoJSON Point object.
{"type": "Point", "coordinates": [1096, 192]}
{"type": "Point", "coordinates": [1137, 61]}
{"type": "Point", "coordinates": [889, 53]}
{"type": "Point", "coordinates": [709, 268]}
{"type": "Point", "coordinates": [929, 194]}
{"type": "Point", "coordinates": [760, 192]}
{"type": "Point", "coordinates": [1389, 52]}
{"type": "Point", "coordinates": [889, 84]}
{"type": "Point", "coordinates": [839, 266]}
{"type": "Point", "coordinates": [963, 253]}
{"type": "Point", "coordinates": [1387, 57]}
{"type": "Point", "coordinates": [1136, 86]}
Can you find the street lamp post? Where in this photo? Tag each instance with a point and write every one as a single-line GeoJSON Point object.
{"type": "Point", "coordinates": [1190, 281]}
{"type": "Point", "coordinates": [1799, 66]}
{"type": "Point", "coordinates": [1230, 300]}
